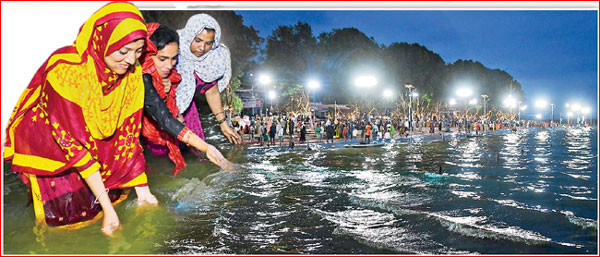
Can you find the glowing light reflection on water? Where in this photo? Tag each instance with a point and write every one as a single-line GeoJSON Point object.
{"type": "Point", "coordinates": [522, 192]}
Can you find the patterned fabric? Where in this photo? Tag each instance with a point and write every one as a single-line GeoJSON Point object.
{"type": "Point", "coordinates": [77, 117]}
{"type": "Point", "coordinates": [156, 136]}
{"type": "Point", "coordinates": [192, 121]}
{"type": "Point", "coordinates": [191, 116]}
{"type": "Point", "coordinates": [215, 65]}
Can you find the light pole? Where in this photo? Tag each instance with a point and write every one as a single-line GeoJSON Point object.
{"type": "Point", "coordinates": [364, 82]}
{"type": "Point", "coordinates": [542, 104]}
{"type": "Point", "coordinates": [521, 108]}
{"type": "Point", "coordinates": [313, 85]}
{"type": "Point", "coordinates": [485, 99]}
{"type": "Point", "coordinates": [465, 93]}
{"type": "Point", "coordinates": [387, 94]}
{"type": "Point", "coordinates": [410, 88]}
{"type": "Point", "coordinates": [510, 102]}
{"type": "Point", "coordinates": [272, 96]}
{"type": "Point", "coordinates": [586, 111]}
{"type": "Point", "coordinates": [576, 108]}
{"type": "Point", "coordinates": [552, 114]}
{"type": "Point", "coordinates": [264, 80]}
{"type": "Point", "coordinates": [569, 114]}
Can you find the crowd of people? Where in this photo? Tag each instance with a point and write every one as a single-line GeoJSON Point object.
{"type": "Point", "coordinates": [277, 129]}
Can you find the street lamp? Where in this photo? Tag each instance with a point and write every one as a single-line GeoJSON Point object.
{"type": "Point", "coordinates": [511, 103]}
{"type": "Point", "coordinates": [388, 93]}
{"type": "Point", "coordinates": [410, 95]}
{"type": "Point", "coordinates": [576, 108]}
{"type": "Point", "coordinates": [264, 80]}
{"type": "Point", "coordinates": [365, 81]}
{"type": "Point", "coordinates": [272, 96]}
{"type": "Point", "coordinates": [552, 114]}
{"type": "Point", "coordinates": [521, 108]}
{"type": "Point", "coordinates": [313, 85]}
{"type": "Point", "coordinates": [465, 93]}
{"type": "Point", "coordinates": [586, 111]}
{"type": "Point", "coordinates": [485, 99]}
{"type": "Point", "coordinates": [541, 103]}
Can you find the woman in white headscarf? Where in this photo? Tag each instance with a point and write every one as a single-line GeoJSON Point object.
{"type": "Point", "coordinates": [203, 63]}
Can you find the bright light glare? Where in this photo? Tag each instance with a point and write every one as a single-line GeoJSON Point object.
{"type": "Point", "coordinates": [473, 102]}
{"type": "Point", "coordinates": [464, 92]}
{"type": "Point", "coordinates": [415, 94]}
{"type": "Point", "coordinates": [388, 93]}
{"type": "Point", "coordinates": [510, 102]}
{"type": "Point", "coordinates": [575, 107]}
{"type": "Point", "coordinates": [541, 103]}
{"type": "Point", "coordinates": [569, 114]}
{"type": "Point", "coordinates": [586, 110]}
{"type": "Point", "coordinates": [264, 79]}
{"type": "Point", "coordinates": [365, 81]}
{"type": "Point", "coordinates": [538, 116]}
{"type": "Point", "coordinates": [452, 102]}
{"type": "Point", "coordinates": [524, 107]}
{"type": "Point", "coordinates": [272, 95]}
{"type": "Point", "coordinates": [314, 84]}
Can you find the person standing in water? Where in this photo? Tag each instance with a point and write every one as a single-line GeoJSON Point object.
{"type": "Point", "coordinates": [205, 68]}
{"type": "Point", "coordinates": [73, 137]}
{"type": "Point", "coordinates": [160, 127]}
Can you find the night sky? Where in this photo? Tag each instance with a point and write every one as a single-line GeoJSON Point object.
{"type": "Point", "coordinates": [553, 54]}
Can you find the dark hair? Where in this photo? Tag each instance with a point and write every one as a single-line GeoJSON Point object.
{"type": "Point", "coordinates": [209, 30]}
{"type": "Point", "coordinates": [164, 36]}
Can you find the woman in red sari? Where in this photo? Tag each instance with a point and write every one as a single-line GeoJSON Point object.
{"type": "Point", "coordinates": [74, 134]}
{"type": "Point", "coordinates": [160, 126]}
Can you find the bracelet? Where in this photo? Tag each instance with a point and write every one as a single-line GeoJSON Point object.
{"type": "Point", "coordinates": [222, 120]}
{"type": "Point", "coordinates": [223, 112]}
{"type": "Point", "coordinates": [98, 198]}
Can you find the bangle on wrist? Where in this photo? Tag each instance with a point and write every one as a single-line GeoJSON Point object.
{"type": "Point", "coordinates": [222, 120]}
{"type": "Point", "coordinates": [221, 112]}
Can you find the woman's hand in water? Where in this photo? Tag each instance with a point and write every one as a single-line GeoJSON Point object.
{"type": "Point", "coordinates": [230, 133]}
{"type": "Point", "coordinates": [110, 222]}
{"type": "Point", "coordinates": [217, 158]}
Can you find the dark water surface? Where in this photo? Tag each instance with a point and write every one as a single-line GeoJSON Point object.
{"type": "Point", "coordinates": [522, 192]}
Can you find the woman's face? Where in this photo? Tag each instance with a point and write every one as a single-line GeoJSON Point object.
{"type": "Point", "coordinates": [165, 59]}
{"type": "Point", "coordinates": [202, 43]}
{"type": "Point", "coordinates": [120, 61]}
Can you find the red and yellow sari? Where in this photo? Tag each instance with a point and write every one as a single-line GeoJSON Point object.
{"type": "Point", "coordinates": [151, 130]}
{"type": "Point", "coordinates": [77, 117]}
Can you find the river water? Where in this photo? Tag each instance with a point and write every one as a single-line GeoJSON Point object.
{"type": "Point", "coordinates": [520, 192]}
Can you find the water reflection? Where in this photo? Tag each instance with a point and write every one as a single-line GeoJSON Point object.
{"type": "Point", "coordinates": [519, 192]}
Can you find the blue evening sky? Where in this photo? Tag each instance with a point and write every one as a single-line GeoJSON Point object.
{"type": "Point", "coordinates": [553, 54]}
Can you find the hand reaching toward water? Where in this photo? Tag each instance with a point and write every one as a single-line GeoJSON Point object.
{"type": "Point", "coordinates": [217, 158]}
{"type": "Point", "coordinates": [231, 135]}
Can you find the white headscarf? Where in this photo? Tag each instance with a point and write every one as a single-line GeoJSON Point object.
{"type": "Point", "coordinates": [213, 65]}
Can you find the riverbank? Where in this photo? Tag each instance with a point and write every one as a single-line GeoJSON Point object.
{"type": "Point", "coordinates": [314, 143]}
